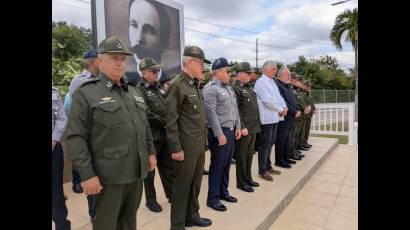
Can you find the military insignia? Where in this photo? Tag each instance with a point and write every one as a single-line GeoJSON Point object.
{"type": "Point", "coordinates": [119, 45]}
{"type": "Point", "coordinates": [223, 94]}
{"type": "Point", "coordinates": [139, 99]}
{"type": "Point", "coordinates": [109, 84]}
{"type": "Point", "coordinates": [193, 95]}
{"type": "Point", "coordinates": [194, 106]}
{"type": "Point", "coordinates": [106, 98]}
{"type": "Point", "coordinates": [249, 99]}
{"type": "Point", "coordinates": [191, 82]}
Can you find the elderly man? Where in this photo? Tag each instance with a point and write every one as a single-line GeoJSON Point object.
{"type": "Point", "coordinates": [89, 73]}
{"type": "Point", "coordinates": [224, 127]}
{"type": "Point", "coordinates": [185, 129]}
{"type": "Point", "coordinates": [272, 108]}
{"type": "Point", "coordinates": [109, 140]}
{"type": "Point", "coordinates": [283, 141]}
{"type": "Point", "coordinates": [155, 100]}
{"type": "Point", "coordinates": [250, 126]}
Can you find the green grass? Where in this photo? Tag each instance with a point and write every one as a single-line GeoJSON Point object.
{"type": "Point", "coordinates": [342, 139]}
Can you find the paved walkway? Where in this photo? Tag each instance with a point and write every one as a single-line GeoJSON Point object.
{"type": "Point", "coordinates": [328, 201]}
{"type": "Point", "coordinates": [254, 208]}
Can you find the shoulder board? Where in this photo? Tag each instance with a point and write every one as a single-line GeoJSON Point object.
{"type": "Point", "coordinates": [89, 82]}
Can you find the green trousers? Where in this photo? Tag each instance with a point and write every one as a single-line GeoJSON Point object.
{"type": "Point", "coordinates": [244, 150]}
{"type": "Point", "coordinates": [166, 169]}
{"type": "Point", "coordinates": [185, 191]}
{"type": "Point", "coordinates": [116, 206]}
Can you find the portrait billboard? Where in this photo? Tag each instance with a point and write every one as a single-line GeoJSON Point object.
{"type": "Point", "coordinates": [150, 28]}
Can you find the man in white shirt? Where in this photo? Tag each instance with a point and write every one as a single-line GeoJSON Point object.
{"type": "Point", "coordinates": [272, 109]}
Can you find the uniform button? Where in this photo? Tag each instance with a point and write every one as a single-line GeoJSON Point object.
{"type": "Point", "coordinates": [138, 136]}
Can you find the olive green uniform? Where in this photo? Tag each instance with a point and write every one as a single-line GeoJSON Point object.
{"type": "Point", "coordinates": [245, 146]}
{"type": "Point", "coordinates": [185, 129]}
{"type": "Point", "coordinates": [298, 122]}
{"type": "Point", "coordinates": [155, 101]}
{"type": "Point", "coordinates": [307, 119]}
{"type": "Point", "coordinates": [108, 136]}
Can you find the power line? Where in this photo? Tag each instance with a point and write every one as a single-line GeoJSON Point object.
{"type": "Point", "coordinates": [63, 4]}
{"type": "Point", "coordinates": [239, 40]}
{"type": "Point", "coordinates": [253, 32]}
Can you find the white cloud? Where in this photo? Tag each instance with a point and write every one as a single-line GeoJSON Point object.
{"type": "Point", "coordinates": [299, 19]}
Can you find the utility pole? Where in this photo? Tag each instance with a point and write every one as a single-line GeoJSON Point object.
{"type": "Point", "coordinates": [256, 52]}
{"type": "Point", "coordinates": [94, 24]}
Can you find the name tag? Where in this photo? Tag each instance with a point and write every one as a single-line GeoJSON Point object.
{"type": "Point", "coordinates": [139, 99]}
{"type": "Point", "coordinates": [193, 95]}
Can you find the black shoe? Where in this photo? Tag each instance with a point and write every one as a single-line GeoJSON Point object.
{"type": "Point", "coordinates": [233, 161]}
{"type": "Point", "coordinates": [246, 188]}
{"type": "Point", "coordinates": [206, 172]}
{"type": "Point", "coordinates": [290, 161]}
{"type": "Point", "coordinates": [300, 155]}
{"type": "Point", "coordinates": [201, 222]}
{"type": "Point", "coordinates": [298, 151]}
{"type": "Point", "coordinates": [303, 148]}
{"type": "Point", "coordinates": [283, 165]}
{"type": "Point", "coordinates": [77, 188]}
{"type": "Point", "coordinates": [229, 198]}
{"type": "Point", "coordinates": [253, 183]}
{"type": "Point", "coordinates": [217, 206]}
{"type": "Point", "coordinates": [306, 146]}
{"type": "Point", "coordinates": [295, 157]}
{"type": "Point", "coordinates": [154, 206]}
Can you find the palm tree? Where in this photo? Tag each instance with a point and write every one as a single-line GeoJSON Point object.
{"type": "Point", "coordinates": [347, 22]}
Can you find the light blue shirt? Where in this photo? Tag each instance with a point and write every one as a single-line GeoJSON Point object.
{"type": "Point", "coordinates": [270, 102]}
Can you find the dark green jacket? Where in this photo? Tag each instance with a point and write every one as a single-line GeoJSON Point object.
{"type": "Point", "coordinates": [185, 116]}
{"type": "Point", "coordinates": [300, 99]}
{"type": "Point", "coordinates": [309, 101]}
{"type": "Point", "coordinates": [156, 108]}
{"type": "Point", "coordinates": [247, 106]}
{"type": "Point", "coordinates": [108, 134]}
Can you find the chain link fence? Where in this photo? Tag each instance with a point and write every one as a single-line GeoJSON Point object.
{"type": "Point", "coordinates": [332, 96]}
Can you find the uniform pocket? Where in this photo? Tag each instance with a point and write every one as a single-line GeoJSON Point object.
{"type": "Point", "coordinates": [112, 114]}
{"type": "Point", "coordinates": [115, 153]}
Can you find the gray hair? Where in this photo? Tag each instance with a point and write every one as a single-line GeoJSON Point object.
{"type": "Point", "coordinates": [185, 60]}
{"type": "Point", "coordinates": [268, 64]}
{"type": "Point", "coordinates": [281, 70]}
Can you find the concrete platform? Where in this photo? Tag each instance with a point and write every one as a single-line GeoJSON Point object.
{"type": "Point", "coordinates": [257, 210]}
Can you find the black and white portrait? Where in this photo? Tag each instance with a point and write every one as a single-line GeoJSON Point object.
{"type": "Point", "coordinates": [151, 29]}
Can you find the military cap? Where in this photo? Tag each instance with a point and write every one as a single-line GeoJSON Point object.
{"type": "Point", "coordinates": [256, 70]}
{"type": "Point", "coordinates": [220, 63]}
{"type": "Point", "coordinates": [166, 78]}
{"type": "Point", "coordinates": [243, 67]}
{"type": "Point", "coordinates": [91, 54]}
{"type": "Point", "coordinates": [113, 45]}
{"type": "Point", "coordinates": [196, 52]}
{"type": "Point", "coordinates": [149, 63]}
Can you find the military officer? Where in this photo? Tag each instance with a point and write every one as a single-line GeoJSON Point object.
{"type": "Point", "coordinates": [307, 118]}
{"type": "Point", "coordinates": [250, 126]}
{"type": "Point", "coordinates": [109, 140]}
{"type": "Point", "coordinates": [155, 100]}
{"type": "Point", "coordinates": [185, 130]}
{"type": "Point", "coordinates": [58, 122]}
{"type": "Point", "coordinates": [295, 154]}
{"type": "Point", "coordinates": [224, 127]}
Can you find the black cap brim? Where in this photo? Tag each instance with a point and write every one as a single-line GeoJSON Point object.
{"type": "Point", "coordinates": [207, 61]}
{"type": "Point", "coordinates": [118, 52]}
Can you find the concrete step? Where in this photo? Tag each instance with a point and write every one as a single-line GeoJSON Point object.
{"type": "Point", "coordinates": [257, 210]}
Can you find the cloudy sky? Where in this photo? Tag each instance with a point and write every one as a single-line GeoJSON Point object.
{"type": "Point", "coordinates": [300, 27]}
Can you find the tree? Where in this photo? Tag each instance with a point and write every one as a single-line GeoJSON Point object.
{"type": "Point", "coordinates": [347, 22]}
{"type": "Point", "coordinates": [69, 43]}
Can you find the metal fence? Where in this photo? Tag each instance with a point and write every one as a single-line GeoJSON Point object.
{"type": "Point", "coordinates": [332, 96]}
{"type": "Point", "coordinates": [335, 119]}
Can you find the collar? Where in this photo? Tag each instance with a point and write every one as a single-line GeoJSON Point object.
{"type": "Point", "coordinates": [147, 84]}
{"type": "Point", "coordinates": [237, 82]}
{"type": "Point", "coordinates": [191, 81]}
{"type": "Point", "coordinates": [110, 83]}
